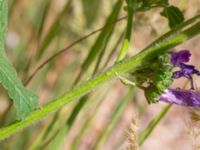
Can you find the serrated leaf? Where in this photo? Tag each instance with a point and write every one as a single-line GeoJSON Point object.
{"type": "Point", "coordinates": [24, 100]}
{"type": "Point", "coordinates": [174, 16]}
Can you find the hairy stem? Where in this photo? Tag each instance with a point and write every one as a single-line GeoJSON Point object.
{"type": "Point", "coordinates": [132, 63]}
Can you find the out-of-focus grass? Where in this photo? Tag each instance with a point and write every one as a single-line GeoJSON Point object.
{"type": "Point", "coordinates": [39, 29]}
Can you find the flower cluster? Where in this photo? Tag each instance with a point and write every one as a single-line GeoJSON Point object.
{"type": "Point", "coordinates": [181, 96]}
{"type": "Point", "coordinates": [156, 76]}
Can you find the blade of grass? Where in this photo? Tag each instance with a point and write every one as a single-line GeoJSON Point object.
{"type": "Point", "coordinates": [46, 8]}
{"type": "Point", "coordinates": [132, 63]}
{"type": "Point", "coordinates": [122, 104]}
{"type": "Point", "coordinates": [127, 38]}
{"type": "Point", "coordinates": [57, 139]}
{"type": "Point", "coordinates": [113, 51]}
{"type": "Point", "coordinates": [116, 115]}
{"type": "Point", "coordinates": [102, 39]}
{"type": "Point", "coordinates": [37, 144]}
{"type": "Point", "coordinates": [37, 35]}
{"type": "Point", "coordinates": [100, 57]}
{"type": "Point", "coordinates": [85, 126]}
{"type": "Point", "coordinates": [53, 30]}
{"type": "Point", "coordinates": [153, 124]}
{"type": "Point", "coordinates": [98, 46]}
{"type": "Point", "coordinates": [42, 65]}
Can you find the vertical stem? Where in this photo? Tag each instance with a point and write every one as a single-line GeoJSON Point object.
{"type": "Point", "coordinates": [145, 134]}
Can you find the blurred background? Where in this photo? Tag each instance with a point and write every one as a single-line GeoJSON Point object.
{"type": "Point", "coordinates": [102, 119]}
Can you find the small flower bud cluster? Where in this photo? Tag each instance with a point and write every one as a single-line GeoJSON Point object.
{"type": "Point", "coordinates": [156, 75]}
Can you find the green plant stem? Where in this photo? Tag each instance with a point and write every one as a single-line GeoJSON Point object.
{"type": "Point", "coordinates": [132, 63]}
{"type": "Point", "coordinates": [153, 124]}
{"type": "Point", "coordinates": [127, 38]}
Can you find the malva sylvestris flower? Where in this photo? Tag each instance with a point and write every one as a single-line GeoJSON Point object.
{"type": "Point", "coordinates": [181, 96]}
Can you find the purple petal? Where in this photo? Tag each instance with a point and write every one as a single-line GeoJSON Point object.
{"type": "Point", "coordinates": [180, 57]}
{"type": "Point", "coordinates": [185, 71]}
{"type": "Point", "coordinates": [181, 97]}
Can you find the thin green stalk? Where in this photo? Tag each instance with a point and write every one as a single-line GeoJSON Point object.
{"type": "Point", "coordinates": [102, 39]}
{"type": "Point", "coordinates": [145, 134]}
{"type": "Point", "coordinates": [113, 51]}
{"type": "Point", "coordinates": [116, 115]}
{"type": "Point", "coordinates": [132, 63]}
{"type": "Point", "coordinates": [121, 105]}
{"type": "Point", "coordinates": [36, 36]}
{"type": "Point", "coordinates": [53, 30]}
{"type": "Point", "coordinates": [153, 124]}
{"type": "Point", "coordinates": [127, 39]}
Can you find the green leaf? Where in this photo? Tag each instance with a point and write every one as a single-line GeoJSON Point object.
{"type": "Point", "coordinates": [174, 16]}
{"type": "Point", "coordinates": [24, 100]}
{"type": "Point", "coordinates": [149, 4]}
{"type": "Point", "coordinates": [155, 2]}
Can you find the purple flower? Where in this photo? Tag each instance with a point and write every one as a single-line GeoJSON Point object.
{"type": "Point", "coordinates": [181, 97]}
{"type": "Point", "coordinates": [178, 59]}
{"type": "Point", "coordinates": [182, 56]}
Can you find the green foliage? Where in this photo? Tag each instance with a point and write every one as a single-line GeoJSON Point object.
{"type": "Point", "coordinates": [188, 30]}
{"type": "Point", "coordinates": [151, 68]}
{"type": "Point", "coordinates": [150, 3]}
{"type": "Point", "coordinates": [174, 15]}
{"type": "Point", "coordinates": [24, 100]}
